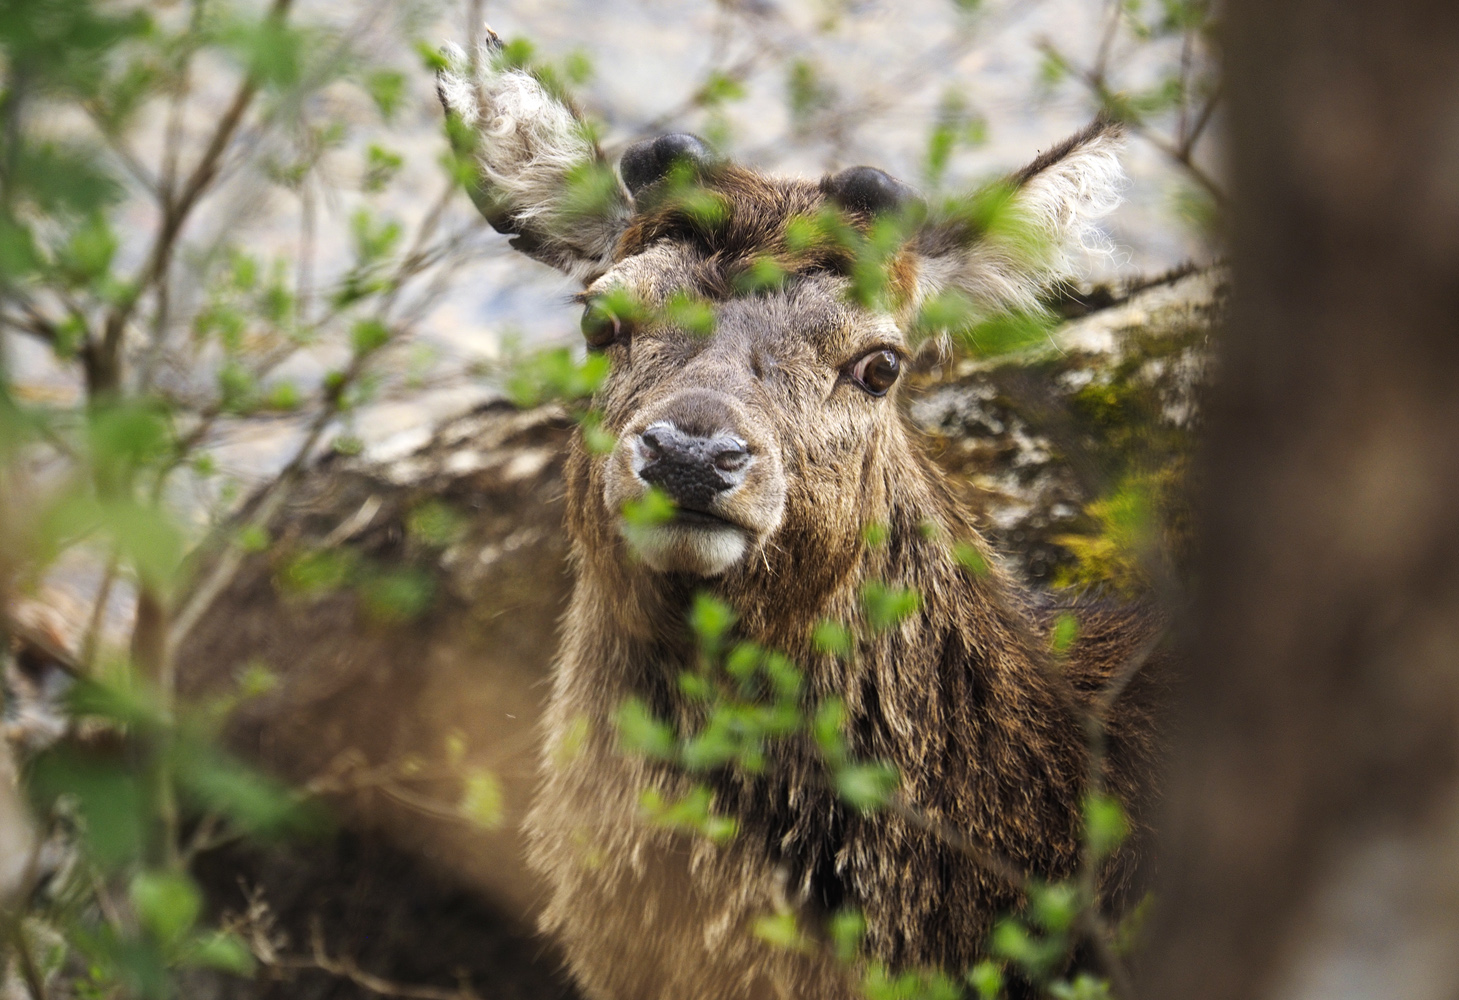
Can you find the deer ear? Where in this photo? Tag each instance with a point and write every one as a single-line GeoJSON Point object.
{"type": "Point", "coordinates": [540, 174]}
{"type": "Point", "coordinates": [1017, 239]}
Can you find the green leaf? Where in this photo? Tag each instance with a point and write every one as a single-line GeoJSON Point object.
{"type": "Point", "coordinates": [785, 679]}
{"type": "Point", "coordinates": [222, 951]}
{"type": "Point", "coordinates": [1009, 333]}
{"type": "Point", "coordinates": [373, 241]}
{"type": "Point", "coordinates": [806, 92]}
{"type": "Point", "coordinates": [578, 67]}
{"type": "Point", "coordinates": [386, 88]}
{"type": "Point", "coordinates": [483, 801]}
{"type": "Point", "coordinates": [593, 191]}
{"type": "Point", "coordinates": [398, 596]}
{"type": "Point", "coordinates": [743, 661]}
{"type": "Point", "coordinates": [833, 638]}
{"type": "Point", "coordinates": [257, 679]}
{"type": "Point", "coordinates": [689, 313]}
{"type": "Point", "coordinates": [780, 931]}
{"type": "Point", "coordinates": [317, 572]}
{"type": "Point", "coordinates": [63, 179]}
{"type": "Point", "coordinates": [256, 804]}
{"type": "Point", "coordinates": [237, 388]}
{"type": "Point", "coordinates": [167, 903]}
{"type": "Point", "coordinates": [875, 534]}
{"type": "Point", "coordinates": [1012, 941]}
{"type": "Point", "coordinates": [641, 733]}
{"type": "Point", "coordinates": [555, 375]}
{"type": "Point", "coordinates": [887, 606]}
{"type": "Point", "coordinates": [847, 930]}
{"type": "Point", "coordinates": [282, 396]}
{"type": "Point", "coordinates": [597, 438]}
{"type": "Point", "coordinates": [710, 619]}
{"type": "Point", "coordinates": [867, 786]}
{"type": "Point", "coordinates": [109, 795]}
{"type": "Point", "coordinates": [826, 728]}
{"type": "Point", "coordinates": [432, 59]}
{"type": "Point", "coordinates": [1105, 825]}
{"type": "Point", "coordinates": [381, 166]}
{"type": "Point", "coordinates": [720, 88]}
{"type": "Point", "coordinates": [1064, 633]}
{"type": "Point", "coordinates": [695, 686]}
{"type": "Point", "coordinates": [1083, 987]}
{"type": "Point", "coordinates": [651, 509]}
{"type": "Point", "coordinates": [1055, 907]}
{"type": "Point", "coordinates": [435, 524]}
{"type": "Point", "coordinates": [969, 558]}
{"type": "Point", "coordinates": [765, 274]}
{"type": "Point", "coordinates": [88, 254]}
{"type": "Point", "coordinates": [987, 979]}
{"type": "Point", "coordinates": [253, 538]}
{"type": "Point", "coordinates": [693, 813]}
{"type": "Point", "coordinates": [271, 49]}
{"type": "Point", "coordinates": [368, 335]}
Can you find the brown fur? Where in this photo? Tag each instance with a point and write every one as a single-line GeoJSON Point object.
{"type": "Point", "coordinates": [964, 697]}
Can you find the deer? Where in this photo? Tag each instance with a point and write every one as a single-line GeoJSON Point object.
{"type": "Point", "coordinates": [779, 439]}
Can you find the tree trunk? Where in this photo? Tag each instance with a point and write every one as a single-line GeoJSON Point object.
{"type": "Point", "coordinates": [1313, 836]}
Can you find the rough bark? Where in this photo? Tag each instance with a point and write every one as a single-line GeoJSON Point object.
{"type": "Point", "coordinates": [1313, 841]}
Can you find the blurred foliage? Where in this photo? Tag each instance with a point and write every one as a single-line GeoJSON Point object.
{"type": "Point", "coordinates": [169, 332]}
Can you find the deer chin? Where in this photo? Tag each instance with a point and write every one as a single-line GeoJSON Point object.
{"type": "Point", "coordinates": [699, 546]}
{"type": "Point", "coordinates": [705, 542]}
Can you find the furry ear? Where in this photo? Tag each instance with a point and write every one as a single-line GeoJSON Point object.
{"type": "Point", "coordinates": [1020, 238]}
{"type": "Point", "coordinates": [540, 175]}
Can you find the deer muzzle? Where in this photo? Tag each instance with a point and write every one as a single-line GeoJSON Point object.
{"type": "Point", "coordinates": [725, 482]}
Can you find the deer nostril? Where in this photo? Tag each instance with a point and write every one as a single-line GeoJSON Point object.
{"type": "Point", "coordinates": [652, 447]}
{"type": "Point", "coordinates": [732, 457]}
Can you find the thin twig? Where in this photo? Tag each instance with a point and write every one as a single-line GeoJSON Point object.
{"type": "Point", "coordinates": [346, 968]}
{"type": "Point", "coordinates": [92, 637]}
{"type": "Point", "coordinates": [1113, 9]}
{"type": "Point", "coordinates": [1180, 154]}
{"type": "Point", "coordinates": [123, 152]}
{"type": "Point", "coordinates": [999, 865]}
{"type": "Point", "coordinates": [1116, 685]}
{"type": "Point", "coordinates": [104, 356]}
{"type": "Point", "coordinates": [35, 982]}
{"type": "Point", "coordinates": [231, 557]}
{"type": "Point", "coordinates": [1202, 120]}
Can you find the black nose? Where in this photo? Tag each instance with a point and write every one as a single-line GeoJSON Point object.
{"type": "Point", "coordinates": [691, 469]}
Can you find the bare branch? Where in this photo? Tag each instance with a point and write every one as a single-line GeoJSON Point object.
{"type": "Point", "coordinates": [230, 558]}
{"type": "Point", "coordinates": [346, 968]}
{"type": "Point", "coordinates": [103, 359]}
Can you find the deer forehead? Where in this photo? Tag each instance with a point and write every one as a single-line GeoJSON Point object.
{"type": "Point", "coordinates": [811, 317]}
{"type": "Point", "coordinates": [754, 224]}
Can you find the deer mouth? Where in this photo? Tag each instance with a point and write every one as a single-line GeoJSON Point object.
{"type": "Point", "coordinates": [692, 541]}
{"type": "Point", "coordinates": [688, 517]}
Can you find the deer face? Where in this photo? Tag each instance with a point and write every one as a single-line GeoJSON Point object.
{"type": "Point", "coordinates": [779, 412]}
{"type": "Point", "coordinates": [768, 415]}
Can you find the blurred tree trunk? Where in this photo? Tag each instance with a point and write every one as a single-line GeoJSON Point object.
{"type": "Point", "coordinates": [1313, 837]}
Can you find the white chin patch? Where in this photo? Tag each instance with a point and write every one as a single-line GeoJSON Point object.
{"type": "Point", "coordinates": [676, 548]}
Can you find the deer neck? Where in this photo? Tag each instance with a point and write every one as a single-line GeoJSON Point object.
{"type": "Point", "coordinates": [632, 625]}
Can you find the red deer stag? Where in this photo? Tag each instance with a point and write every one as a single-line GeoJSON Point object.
{"type": "Point", "coordinates": [779, 439]}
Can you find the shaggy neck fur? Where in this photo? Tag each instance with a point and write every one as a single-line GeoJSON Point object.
{"type": "Point", "coordinates": [962, 698]}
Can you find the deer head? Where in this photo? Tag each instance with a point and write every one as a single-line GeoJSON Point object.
{"type": "Point", "coordinates": [774, 426]}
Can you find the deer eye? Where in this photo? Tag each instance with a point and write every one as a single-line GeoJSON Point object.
{"type": "Point", "coordinates": [877, 371]}
{"type": "Point", "coordinates": [601, 328]}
